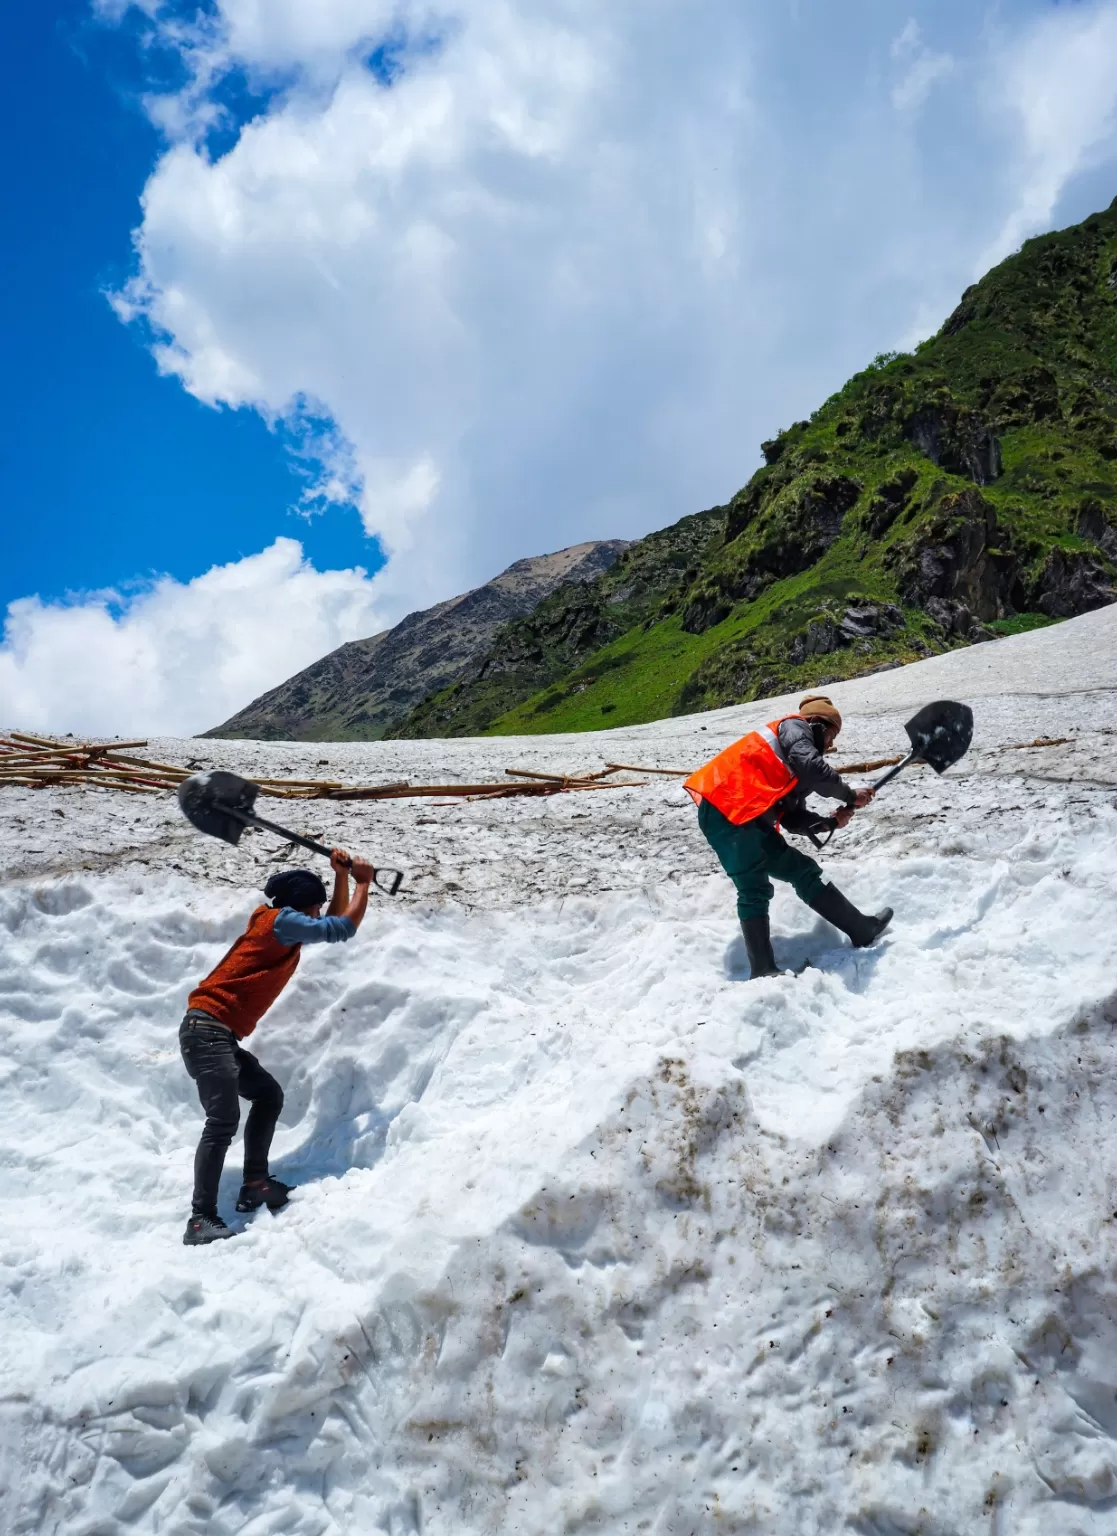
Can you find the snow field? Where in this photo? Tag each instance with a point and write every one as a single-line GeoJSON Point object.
{"type": "Point", "coordinates": [591, 1233]}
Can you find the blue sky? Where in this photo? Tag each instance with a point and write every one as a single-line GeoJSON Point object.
{"type": "Point", "coordinates": [469, 291]}
{"type": "Point", "coordinates": [108, 472]}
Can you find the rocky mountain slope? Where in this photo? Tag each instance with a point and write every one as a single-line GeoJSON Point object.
{"type": "Point", "coordinates": [360, 690]}
{"type": "Point", "coordinates": [572, 623]}
{"type": "Point", "coordinates": [943, 496]}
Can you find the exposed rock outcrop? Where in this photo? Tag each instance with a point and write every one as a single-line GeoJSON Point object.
{"type": "Point", "coordinates": [1070, 582]}
{"type": "Point", "coordinates": [789, 535]}
{"type": "Point", "coordinates": [957, 441]}
{"type": "Point", "coordinates": [955, 570]}
{"type": "Point", "coordinates": [1094, 524]}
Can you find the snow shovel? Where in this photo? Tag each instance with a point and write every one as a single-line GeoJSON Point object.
{"type": "Point", "coordinates": [940, 734]}
{"type": "Point", "coordinates": [220, 804]}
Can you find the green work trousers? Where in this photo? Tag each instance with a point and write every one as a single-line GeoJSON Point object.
{"type": "Point", "coordinates": [751, 853]}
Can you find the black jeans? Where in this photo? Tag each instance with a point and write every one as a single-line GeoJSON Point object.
{"type": "Point", "coordinates": [223, 1072]}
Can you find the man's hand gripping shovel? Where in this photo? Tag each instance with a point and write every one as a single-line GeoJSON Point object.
{"type": "Point", "coordinates": [940, 734]}
{"type": "Point", "coordinates": [221, 805]}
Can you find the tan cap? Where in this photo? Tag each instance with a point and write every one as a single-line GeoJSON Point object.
{"type": "Point", "coordinates": [816, 706]}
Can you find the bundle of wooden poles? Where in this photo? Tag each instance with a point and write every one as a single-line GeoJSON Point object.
{"type": "Point", "coordinates": [38, 762]}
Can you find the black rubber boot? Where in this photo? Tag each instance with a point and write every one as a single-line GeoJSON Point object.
{"type": "Point", "coordinates": [270, 1192]}
{"type": "Point", "coordinates": [862, 929]}
{"type": "Point", "coordinates": [758, 942]}
{"type": "Point", "coordinates": [205, 1229]}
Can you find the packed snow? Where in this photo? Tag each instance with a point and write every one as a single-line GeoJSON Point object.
{"type": "Point", "coordinates": [591, 1233]}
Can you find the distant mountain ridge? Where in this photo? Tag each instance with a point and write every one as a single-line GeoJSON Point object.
{"type": "Point", "coordinates": [359, 691]}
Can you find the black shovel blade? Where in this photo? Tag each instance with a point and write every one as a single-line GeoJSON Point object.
{"type": "Point", "coordinates": [941, 733]}
{"type": "Point", "coordinates": [211, 801]}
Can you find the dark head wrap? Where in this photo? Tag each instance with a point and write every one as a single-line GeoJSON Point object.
{"type": "Point", "coordinates": [298, 888]}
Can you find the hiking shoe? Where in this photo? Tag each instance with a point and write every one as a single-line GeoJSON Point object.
{"type": "Point", "coordinates": [205, 1229]}
{"type": "Point", "coordinates": [270, 1192]}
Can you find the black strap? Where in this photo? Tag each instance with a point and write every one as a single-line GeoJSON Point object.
{"type": "Point", "coordinates": [825, 824]}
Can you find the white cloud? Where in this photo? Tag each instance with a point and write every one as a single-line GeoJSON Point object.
{"type": "Point", "coordinates": [177, 657]}
{"type": "Point", "coordinates": [475, 271]}
{"type": "Point", "coordinates": [1059, 88]}
{"type": "Point", "coordinates": [920, 68]}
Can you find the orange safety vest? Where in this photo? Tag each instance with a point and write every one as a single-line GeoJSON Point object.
{"type": "Point", "coordinates": [245, 983]}
{"type": "Point", "coordinates": [747, 778]}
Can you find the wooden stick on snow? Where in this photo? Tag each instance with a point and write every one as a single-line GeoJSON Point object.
{"type": "Point", "coordinates": [679, 773]}
{"type": "Point", "coordinates": [876, 762]}
{"type": "Point", "coordinates": [46, 741]}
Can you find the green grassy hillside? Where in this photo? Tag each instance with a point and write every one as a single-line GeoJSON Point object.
{"type": "Point", "coordinates": [941, 497]}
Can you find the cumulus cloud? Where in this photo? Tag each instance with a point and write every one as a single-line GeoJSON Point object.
{"type": "Point", "coordinates": [919, 68]}
{"type": "Point", "coordinates": [551, 269]}
{"type": "Point", "coordinates": [1059, 89]}
{"type": "Point", "coordinates": [177, 657]}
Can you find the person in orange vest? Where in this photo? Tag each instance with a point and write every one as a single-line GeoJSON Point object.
{"type": "Point", "coordinates": [226, 1007]}
{"type": "Point", "coordinates": [755, 787]}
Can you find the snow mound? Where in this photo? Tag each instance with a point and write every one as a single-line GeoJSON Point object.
{"type": "Point", "coordinates": [591, 1233]}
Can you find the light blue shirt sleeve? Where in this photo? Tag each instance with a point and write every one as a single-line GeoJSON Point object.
{"type": "Point", "coordinates": [293, 927]}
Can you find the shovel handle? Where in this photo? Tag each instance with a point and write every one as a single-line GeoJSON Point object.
{"type": "Point", "coordinates": [892, 772]}
{"type": "Point", "coordinates": [912, 757]}
{"type": "Point", "coordinates": [250, 819]}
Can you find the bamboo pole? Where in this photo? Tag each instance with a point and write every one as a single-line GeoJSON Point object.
{"type": "Point", "coordinates": [46, 761]}
{"type": "Point", "coordinates": [36, 741]}
{"type": "Point", "coordinates": [530, 773]}
{"type": "Point", "coordinates": [627, 784]}
{"type": "Point", "coordinates": [480, 791]}
{"type": "Point", "coordinates": [54, 773]}
{"type": "Point", "coordinates": [143, 762]}
{"type": "Point", "coordinates": [30, 755]}
{"type": "Point", "coordinates": [100, 765]}
{"type": "Point", "coordinates": [50, 780]}
{"type": "Point", "coordinates": [869, 767]}
{"type": "Point", "coordinates": [116, 776]}
{"type": "Point", "coordinates": [373, 792]}
{"type": "Point", "coordinates": [550, 778]}
{"type": "Point", "coordinates": [679, 773]}
{"type": "Point", "coordinates": [64, 774]}
{"type": "Point", "coordinates": [267, 784]}
{"type": "Point", "coordinates": [47, 741]}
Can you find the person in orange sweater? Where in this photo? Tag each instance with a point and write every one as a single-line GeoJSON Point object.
{"type": "Point", "coordinates": [226, 1007]}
